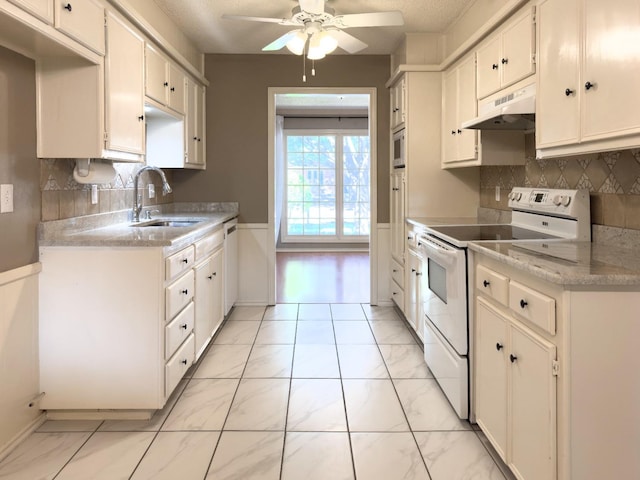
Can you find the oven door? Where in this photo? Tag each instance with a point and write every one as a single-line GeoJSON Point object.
{"type": "Point", "coordinates": [445, 290]}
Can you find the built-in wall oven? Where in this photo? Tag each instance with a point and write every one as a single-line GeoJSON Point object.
{"type": "Point", "coordinates": [399, 154]}
{"type": "Point", "coordinates": [537, 214]}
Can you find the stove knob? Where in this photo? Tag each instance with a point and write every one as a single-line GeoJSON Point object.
{"type": "Point", "coordinates": [566, 200]}
{"type": "Point", "coordinates": [518, 196]}
{"type": "Point", "coordinates": [557, 200]}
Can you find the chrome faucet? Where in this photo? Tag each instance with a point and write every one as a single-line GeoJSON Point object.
{"type": "Point", "coordinates": [137, 197]}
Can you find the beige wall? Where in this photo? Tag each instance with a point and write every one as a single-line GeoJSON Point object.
{"type": "Point", "coordinates": [18, 163]}
{"type": "Point", "coordinates": [237, 124]}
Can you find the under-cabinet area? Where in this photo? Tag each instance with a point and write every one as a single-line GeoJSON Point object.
{"type": "Point", "coordinates": [552, 362]}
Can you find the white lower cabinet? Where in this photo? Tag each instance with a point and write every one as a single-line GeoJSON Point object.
{"type": "Point", "coordinates": [413, 307]}
{"type": "Point", "coordinates": [516, 393]}
{"type": "Point", "coordinates": [128, 323]}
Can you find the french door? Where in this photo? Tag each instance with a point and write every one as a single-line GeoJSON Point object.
{"type": "Point", "coordinates": [327, 195]}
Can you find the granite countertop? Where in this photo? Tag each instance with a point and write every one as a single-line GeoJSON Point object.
{"type": "Point", "coordinates": [580, 264]}
{"type": "Point", "coordinates": [434, 221]}
{"type": "Point", "coordinates": [116, 230]}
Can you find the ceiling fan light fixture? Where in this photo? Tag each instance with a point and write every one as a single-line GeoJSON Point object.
{"type": "Point", "coordinates": [297, 43]}
{"type": "Point", "coordinates": [327, 42]}
{"type": "Point", "coordinates": [316, 51]}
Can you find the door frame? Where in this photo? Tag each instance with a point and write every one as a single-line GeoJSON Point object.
{"type": "Point", "coordinates": [373, 180]}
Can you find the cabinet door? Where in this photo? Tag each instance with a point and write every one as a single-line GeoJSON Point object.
{"type": "Point", "coordinates": [201, 115]}
{"type": "Point", "coordinates": [533, 406]}
{"type": "Point", "coordinates": [176, 89]}
{"type": "Point", "coordinates": [412, 297]}
{"type": "Point", "coordinates": [124, 87]}
{"type": "Point", "coordinates": [203, 325]}
{"type": "Point", "coordinates": [611, 64]}
{"type": "Point", "coordinates": [449, 116]}
{"type": "Point", "coordinates": [217, 307]}
{"type": "Point", "coordinates": [43, 9]}
{"type": "Point", "coordinates": [559, 92]}
{"type": "Point", "coordinates": [155, 81]}
{"type": "Point", "coordinates": [488, 57]}
{"type": "Point", "coordinates": [517, 50]}
{"type": "Point", "coordinates": [491, 375]}
{"type": "Point", "coordinates": [83, 21]}
{"type": "Point", "coordinates": [467, 107]}
{"type": "Point", "coordinates": [397, 216]}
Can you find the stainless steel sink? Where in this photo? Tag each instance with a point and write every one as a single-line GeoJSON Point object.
{"type": "Point", "coordinates": [167, 223]}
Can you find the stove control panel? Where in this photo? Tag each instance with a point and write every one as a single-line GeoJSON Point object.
{"type": "Point", "coordinates": [565, 203]}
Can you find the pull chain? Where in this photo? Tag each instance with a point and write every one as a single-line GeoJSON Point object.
{"type": "Point", "coordinates": [304, 67]}
{"type": "Point", "coordinates": [313, 68]}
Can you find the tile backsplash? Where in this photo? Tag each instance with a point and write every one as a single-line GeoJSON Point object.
{"type": "Point", "coordinates": [613, 178]}
{"type": "Point", "coordinates": [63, 197]}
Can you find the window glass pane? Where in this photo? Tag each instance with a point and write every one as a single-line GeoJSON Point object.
{"type": "Point", "coordinates": [327, 177]}
{"type": "Point", "coordinates": [294, 226]}
{"type": "Point", "coordinates": [328, 210]}
{"type": "Point", "coordinates": [311, 177]}
{"type": "Point", "coordinates": [311, 194]}
{"type": "Point", "coordinates": [294, 194]}
{"type": "Point", "coordinates": [311, 227]}
{"type": "Point", "coordinates": [295, 210]}
{"type": "Point", "coordinates": [310, 144]}
{"type": "Point", "coordinates": [327, 194]}
{"type": "Point", "coordinates": [295, 159]}
{"type": "Point", "coordinates": [311, 160]}
{"type": "Point", "coordinates": [327, 160]}
{"type": "Point", "coordinates": [294, 176]}
{"type": "Point", "coordinates": [294, 144]}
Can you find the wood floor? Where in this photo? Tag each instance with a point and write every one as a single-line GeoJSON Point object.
{"type": "Point", "coordinates": [326, 277]}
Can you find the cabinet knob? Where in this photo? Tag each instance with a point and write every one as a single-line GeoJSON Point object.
{"type": "Point", "coordinates": [486, 283]}
{"type": "Point", "coordinates": [210, 277]}
{"type": "Point", "coordinates": [523, 303]}
{"type": "Point", "coordinates": [395, 189]}
{"type": "Point", "coordinates": [513, 358]}
{"type": "Point", "coordinates": [185, 291]}
{"type": "Point", "coordinates": [505, 61]}
{"type": "Point", "coordinates": [494, 66]}
{"type": "Point", "coordinates": [166, 84]}
{"type": "Point", "coordinates": [459, 131]}
{"type": "Point", "coordinates": [183, 326]}
{"type": "Point", "coordinates": [184, 362]}
{"type": "Point", "coordinates": [499, 346]}
{"type": "Point", "coordinates": [589, 85]}
{"type": "Point", "coordinates": [394, 293]}
{"type": "Point", "coordinates": [413, 270]}
{"type": "Point", "coordinates": [418, 274]}
{"type": "Point", "coordinates": [419, 244]}
{"type": "Point", "coordinates": [199, 139]}
{"type": "Point", "coordinates": [141, 118]}
{"type": "Point", "coordinates": [568, 92]}
{"type": "Point", "coordinates": [395, 271]}
{"type": "Point", "coordinates": [185, 260]}
{"type": "Point", "coordinates": [173, 89]}
{"type": "Point", "coordinates": [453, 132]}
{"type": "Point", "coordinates": [68, 7]}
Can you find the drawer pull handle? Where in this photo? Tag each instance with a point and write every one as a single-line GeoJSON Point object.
{"type": "Point", "coordinates": [523, 303]}
{"type": "Point", "coordinates": [513, 358]}
{"type": "Point", "coordinates": [185, 291]}
{"type": "Point", "coordinates": [499, 346]}
{"type": "Point", "coordinates": [68, 7]}
{"type": "Point", "coordinates": [184, 362]}
{"type": "Point", "coordinates": [183, 326]}
{"type": "Point", "coordinates": [185, 260]}
{"type": "Point", "coordinates": [486, 283]}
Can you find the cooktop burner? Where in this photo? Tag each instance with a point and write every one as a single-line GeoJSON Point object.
{"type": "Point", "coordinates": [468, 233]}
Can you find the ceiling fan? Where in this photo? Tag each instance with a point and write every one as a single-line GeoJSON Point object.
{"type": "Point", "coordinates": [323, 29]}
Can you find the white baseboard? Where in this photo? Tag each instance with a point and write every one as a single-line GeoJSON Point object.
{"type": "Point", "coordinates": [10, 446]}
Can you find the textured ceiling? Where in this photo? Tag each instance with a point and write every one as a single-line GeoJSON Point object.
{"type": "Point", "coordinates": [201, 21]}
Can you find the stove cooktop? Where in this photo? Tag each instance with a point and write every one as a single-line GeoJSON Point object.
{"type": "Point", "coordinates": [460, 234]}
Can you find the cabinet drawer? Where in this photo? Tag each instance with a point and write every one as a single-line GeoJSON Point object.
{"type": "Point", "coordinates": [178, 330]}
{"type": "Point", "coordinates": [397, 273]}
{"type": "Point", "coordinates": [397, 295]}
{"type": "Point", "coordinates": [493, 284]}
{"type": "Point", "coordinates": [83, 21]}
{"type": "Point", "coordinates": [179, 262]}
{"type": "Point", "coordinates": [175, 368]}
{"type": "Point", "coordinates": [533, 306]}
{"type": "Point", "coordinates": [179, 294]}
{"type": "Point", "coordinates": [207, 245]}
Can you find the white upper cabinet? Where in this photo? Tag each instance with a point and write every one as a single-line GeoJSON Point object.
{"type": "Point", "coordinates": [459, 105]}
{"type": "Point", "coordinates": [164, 82]}
{"type": "Point", "coordinates": [195, 156]}
{"type": "Point", "coordinates": [42, 9]}
{"type": "Point", "coordinates": [124, 87]}
{"type": "Point", "coordinates": [82, 20]}
{"type": "Point", "coordinates": [398, 103]}
{"type": "Point", "coordinates": [507, 56]}
{"type": "Point", "coordinates": [589, 68]}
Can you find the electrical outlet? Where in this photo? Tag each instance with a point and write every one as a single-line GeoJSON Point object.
{"type": "Point", "coordinates": [6, 198]}
{"type": "Point", "coordinates": [94, 194]}
{"type": "Point", "coordinates": [498, 193]}
{"type": "Point", "coordinates": [152, 190]}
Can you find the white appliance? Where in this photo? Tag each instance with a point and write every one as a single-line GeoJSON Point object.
{"type": "Point", "coordinates": [513, 110]}
{"type": "Point", "coordinates": [230, 264]}
{"type": "Point", "coordinates": [537, 214]}
{"type": "Point", "coordinates": [399, 154]}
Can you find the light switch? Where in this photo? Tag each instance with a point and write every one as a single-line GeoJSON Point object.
{"type": "Point", "coordinates": [6, 198]}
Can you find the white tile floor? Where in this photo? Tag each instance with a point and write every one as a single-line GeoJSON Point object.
{"type": "Point", "coordinates": [324, 392]}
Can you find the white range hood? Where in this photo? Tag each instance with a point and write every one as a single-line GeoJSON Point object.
{"type": "Point", "coordinates": [515, 110]}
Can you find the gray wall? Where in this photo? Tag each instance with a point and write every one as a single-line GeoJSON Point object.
{"type": "Point", "coordinates": [18, 163]}
{"type": "Point", "coordinates": [237, 124]}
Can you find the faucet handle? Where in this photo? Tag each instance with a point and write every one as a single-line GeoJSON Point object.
{"type": "Point", "coordinates": [147, 214]}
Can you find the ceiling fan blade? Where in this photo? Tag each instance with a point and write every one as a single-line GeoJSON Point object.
{"type": "Point", "coordinates": [278, 43]}
{"type": "Point", "coordinates": [312, 6]}
{"type": "Point", "coordinates": [279, 21]}
{"type": "Point", "coordinates": [375, 19]}
{"type": "Point", "coordinates": [347, 42]}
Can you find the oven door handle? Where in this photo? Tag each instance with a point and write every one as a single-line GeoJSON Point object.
{"type": "Point", "coordinates": [444, 254]}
